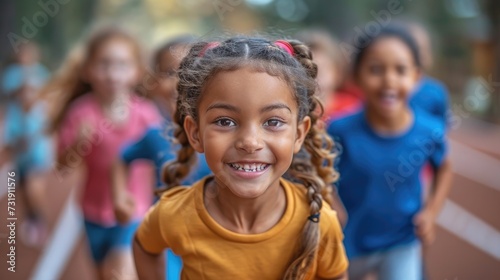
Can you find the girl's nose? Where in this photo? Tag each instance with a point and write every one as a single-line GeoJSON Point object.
{"type": "Point", "coordinates": [390, 78]}
{"type": "Point", "coordinates": [249, 141]}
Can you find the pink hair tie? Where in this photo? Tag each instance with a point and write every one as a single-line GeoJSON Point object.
{"type": "Point", "coordinates": [207, 47]}
{"type": "Point", "coordinates": [285, 46]}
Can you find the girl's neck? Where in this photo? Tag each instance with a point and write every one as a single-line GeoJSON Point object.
{"type": "Point", "coordinates": [390, 124]}
{"type": "Point", "coordinates": [244, 215]}
{"type": "Point", "coordinates": [115, 107]}
{"type": "Point", "coordinates": [107, 100]}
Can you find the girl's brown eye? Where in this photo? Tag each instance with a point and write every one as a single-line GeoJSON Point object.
{"type": "Point", "coordinates": [273, 123]}
{"type": "Point", "coordinates": [224, 122]}
{"type": "Point", "coordinates": [401, 70]}
{"type": "Point", "coordinates": [376, 69]}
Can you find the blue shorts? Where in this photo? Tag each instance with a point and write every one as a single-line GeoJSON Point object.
{"type": "Point", "coordinates": [401, 262]}
{"type": "Point", "coordinates": [104, 239]}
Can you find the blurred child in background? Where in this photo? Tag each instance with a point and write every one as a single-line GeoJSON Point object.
{"type": "Point", "coordinates": [99, 112]}
{"type": "Point", "coordinates": [27, 71]}
{"type": "Point", "coordinates": [157, 144]}
{"type": "Point", "coordinates": [384, 148]}
{"type": "Point", "coordinates": [332, 72]}
{"type": "Point", "coordinates": [430, 95]}
{"type": "Point", "coordinates": [25, 142]}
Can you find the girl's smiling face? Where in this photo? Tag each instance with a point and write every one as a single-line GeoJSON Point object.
{"type": "Point", "coordinates": [247, 127]}
{"type": "Point", "coordinates": [113, 69]}
{"type": "Point", "coordinates": [387, 74]}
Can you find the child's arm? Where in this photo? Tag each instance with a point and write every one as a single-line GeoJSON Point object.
{"type": "Point", "coordinates": [149, 266]}
{"type": "Point", "coordinates": [123, 202]}
{"type": "Point", "coordinates": [338, 206]}
{"type": "Point", "coordinates": [425, 220]}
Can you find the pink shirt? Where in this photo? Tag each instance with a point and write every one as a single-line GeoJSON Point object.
{"type": "Point", "coordinates": [90, 136]}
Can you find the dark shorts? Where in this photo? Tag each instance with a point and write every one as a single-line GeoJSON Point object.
{"type": "Point", "coordinates": [104, 239]}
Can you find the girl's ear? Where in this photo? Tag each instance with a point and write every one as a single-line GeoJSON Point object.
{"type": "Point", "coordinates": [418, 75]}
{"type": "Point", "coordinates": [302, 130]}
{"type": "Point", "coordinates": [193, 133]}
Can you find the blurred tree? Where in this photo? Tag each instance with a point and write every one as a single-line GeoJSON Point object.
{"type": "Point", "coordinates": [493, 11]}
{"type": "Point", "coordinates": [7, 24]}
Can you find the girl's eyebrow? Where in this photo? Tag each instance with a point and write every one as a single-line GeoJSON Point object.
{"type": "Point", "coordinates": [223, 106]}
{"type": "Point", "coordinates": [228, 107]}
{"type": "Point", "coordinates": [275, 107]}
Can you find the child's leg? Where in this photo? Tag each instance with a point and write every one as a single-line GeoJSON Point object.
{"type": "Point", "coordinates": [35, 190]}
{"type": "Point", "coordinates": [96, 237]}
{"type": "Point", "coordinates": [404, 262]}
{"type": "Point", "coordinates": [360, 268]}
{"type": "Point", "coordinates": [119, 263]}
{"type": "Point", "coordinates": [34, 228]}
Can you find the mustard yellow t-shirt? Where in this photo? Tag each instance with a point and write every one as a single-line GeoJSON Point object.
{"type": "Point", "coordinates": [181, 222]}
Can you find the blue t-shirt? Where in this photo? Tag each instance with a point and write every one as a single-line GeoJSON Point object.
{"type": "Point", "coordinates": [17, 75]}
{"type": "Point", "coordinates": [380, 179]}
{"type": "Point", "coordinates": [431, 96]}
{"type": "Point", "coordinates": [156, 145]}
{"type": "Point", "coordinates": [25, 133]}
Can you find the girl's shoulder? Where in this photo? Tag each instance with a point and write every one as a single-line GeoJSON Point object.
{"type": "Point", "coordinates": [181, 199]}
{"type": "Point", "coordinates": [345, 124]}
{"type": "Point", "coordinates": [428, 124]}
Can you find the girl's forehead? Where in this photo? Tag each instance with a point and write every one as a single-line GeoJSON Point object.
{"type": "Point", "coordinates": [389, 48]}
{"type": "Point", "coordinates": [247, 87]}
{"type": "Point", "coordinates": [116, 47]}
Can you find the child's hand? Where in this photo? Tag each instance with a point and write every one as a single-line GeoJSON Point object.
{"type": "Point", "coordinates": [425, 226]}
{"type": "Point", "coordinates": [124, 208]}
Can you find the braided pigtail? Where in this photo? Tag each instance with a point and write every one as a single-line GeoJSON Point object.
{"type": "Point", "coordinates": [313, 167]}
{"type": "Point", "coordinates": [174, 171]}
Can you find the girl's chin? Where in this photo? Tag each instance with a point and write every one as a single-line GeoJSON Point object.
{"type": "Point", "coordinates": [247, 193]}
{"type": "Point", "coordinates": [391, 111]}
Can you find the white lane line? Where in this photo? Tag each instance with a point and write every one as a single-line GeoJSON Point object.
{"type": "Point", "coordinates": [475, 165]}
{"type": "Point", "coordinates": [58, 251]}
{"type": "Point", "coordinates": [470, 228]}
{"type": "Point", "coordinates": [483, 129]}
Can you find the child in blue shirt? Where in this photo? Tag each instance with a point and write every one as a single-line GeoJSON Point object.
{"type": "Point", "coordinates": [384, 148]}
{"type": "Point", "coordinates": [25, 142]}
{"type": "Point", "coordinates": [157, 145]}
{"type": "Point", "coordinates": [430, 95]}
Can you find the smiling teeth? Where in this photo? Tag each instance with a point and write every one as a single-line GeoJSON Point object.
{"type": "Point", "coordinates": [253, 167]}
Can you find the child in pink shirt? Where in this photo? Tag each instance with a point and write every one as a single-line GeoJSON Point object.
{"type": "Point", "coordinates": [99, 143]}
{"type": "Point", "coordinates": [100, 114]}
